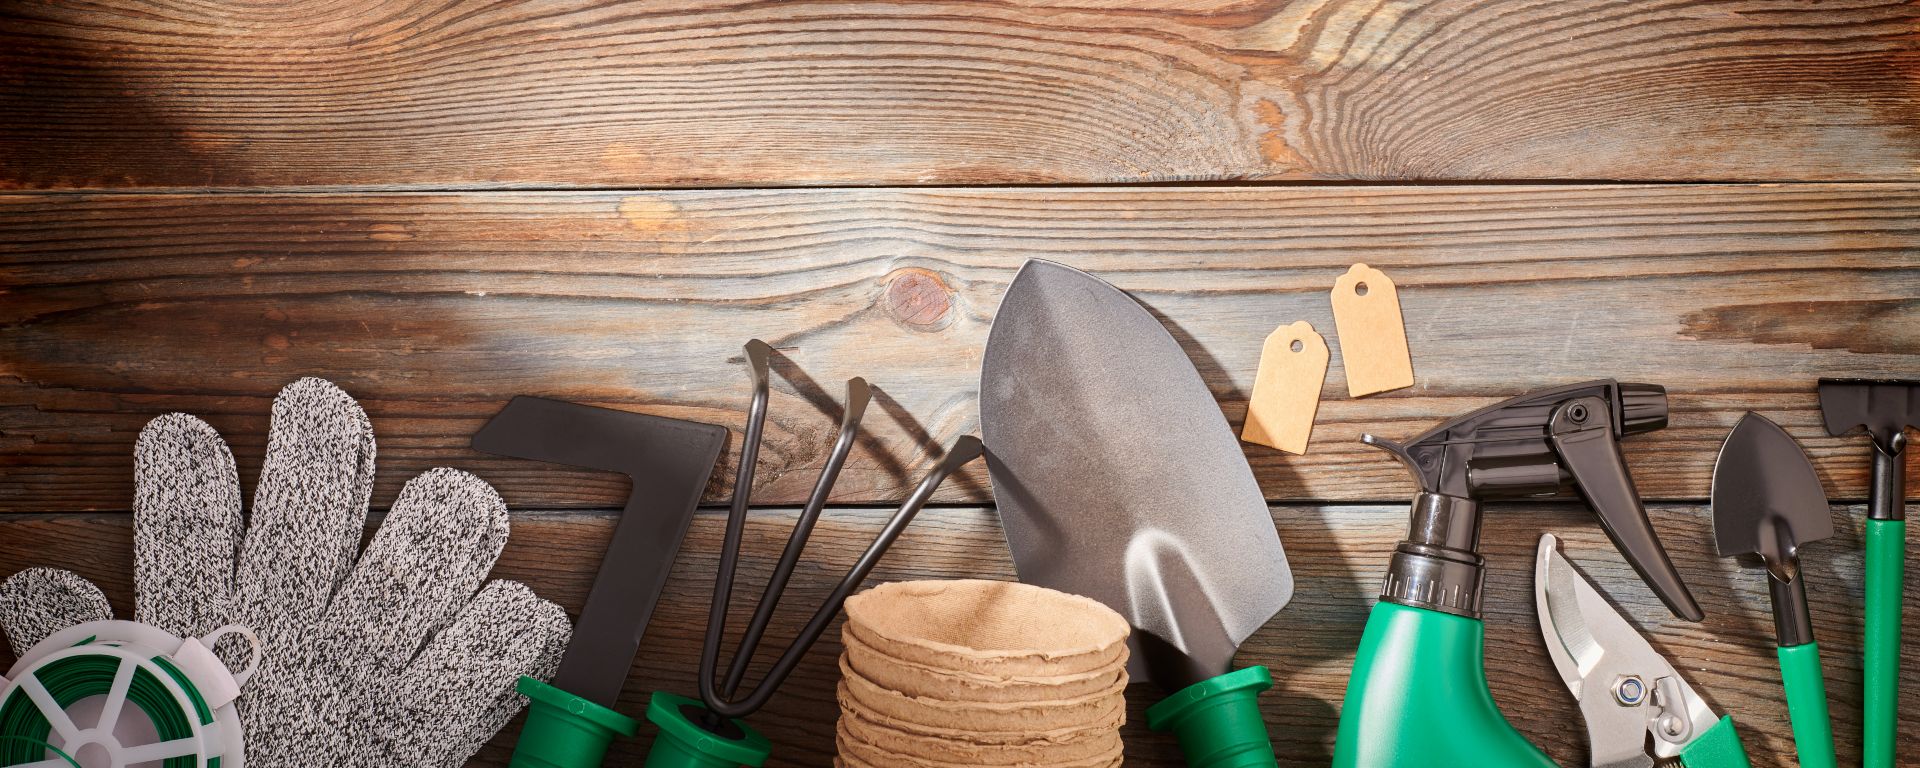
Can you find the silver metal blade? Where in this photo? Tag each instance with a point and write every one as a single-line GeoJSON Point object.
{"type": "Point", "coordinates": [1118, 478]}
{"type": "Point", "coordinates": [1557, 590]}
{"type": "Point", "coordinates": [1597, 652]}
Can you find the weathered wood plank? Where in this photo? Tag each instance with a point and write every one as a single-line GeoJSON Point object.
{"type": "Point", "coordinates": [1337, 553]}
{"type": "Point", "coordinates": [435, 309]}
{"type": "Point", "coordinates": [719, 93]}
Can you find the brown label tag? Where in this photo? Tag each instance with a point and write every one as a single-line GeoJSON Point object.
{"type": "Point", "coordinates": [1286, 391]}
{"type": "Point", "coordinates": [1373, 338]}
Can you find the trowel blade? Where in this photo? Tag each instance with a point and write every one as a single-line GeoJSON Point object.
{"type": "Point", "coordinates": [1118, 478]}
{"type": "Point", "coordinates": [1766, 497]}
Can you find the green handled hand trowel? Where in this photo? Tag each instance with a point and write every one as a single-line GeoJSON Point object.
{"type": "Point", "coordinates": [1118, 478]}
{"type": "Point", "coordinates": [1886, 409]}
{"type": "Point", "coordinates": [1767, 501]}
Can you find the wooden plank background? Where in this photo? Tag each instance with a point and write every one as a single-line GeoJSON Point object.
{"type": "Point", "coordinates": [442, 205]}
{"type": "Point", "coordinates": [724, 92]}
{"type": "Point", "coordinates": [435, 309]}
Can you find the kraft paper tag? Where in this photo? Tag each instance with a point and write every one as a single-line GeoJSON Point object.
{"type": "Point", "coordinates": [1373, 338]}
{"type": "Point", "coordinates": [1286, 391]}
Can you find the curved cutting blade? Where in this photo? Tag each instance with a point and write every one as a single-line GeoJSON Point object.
{"type": "Point", "coordinates": [1118, 478]}
{"type": "Point", "coordinates": [1623, 685]}
{"type": "Point", "coordinates": [1766, 497]}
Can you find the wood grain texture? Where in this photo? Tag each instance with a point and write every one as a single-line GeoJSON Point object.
{"type": "Point", "coordinates": [1337, 554]}
{"type": "Point", "coordinates": [160, 93]}
{"type": "Point", "coordinates": [433, 310]}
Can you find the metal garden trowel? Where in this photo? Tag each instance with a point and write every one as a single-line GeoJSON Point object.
{"type": "Point", "coordinates": [1767, 501]}
{"type": "Point", "coordinates": [1886, 409]}
{"type": "Point", "coordinates": [1118, 478]}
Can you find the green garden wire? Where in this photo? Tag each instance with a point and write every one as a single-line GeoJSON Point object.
{"type": "Point", "coordinates": [24, 728]}
{"type": "Point", "coordinates": [45, 747]}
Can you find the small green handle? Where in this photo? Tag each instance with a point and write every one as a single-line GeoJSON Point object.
{"type": "Point", "coordinates": [1886, 575]}
{"type": "Point", "coordinates": [1218, 720]}
{"type": "Point", "coordinates": [683, 743]}
{"type": "Point", "coordinates": [564, 730]}
{"type": "Point", "coordinates": [1807, 704]}
{"type": "Point", "coordinates": [1719, 747]}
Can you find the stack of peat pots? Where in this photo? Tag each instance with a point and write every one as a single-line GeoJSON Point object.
{"type": "Point", "coordinates": [944, 674]}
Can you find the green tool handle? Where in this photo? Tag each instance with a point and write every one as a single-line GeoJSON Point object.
{"type": "Point", "coordinates": [1218, 720]}
{"type": "Point", "coordinates": [691, 736]}
{"type": "Point", "coordinates": [564, 730]}
{"type": "Point", "coordinates": [1807, 704]}
{"type": "Point", "coordinates": [1719, 747]}
{"type": "Point", "coordinates": [1886, 574]}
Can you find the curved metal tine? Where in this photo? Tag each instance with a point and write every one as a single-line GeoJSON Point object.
{"type": "Point", "coordinates": [758, 354]}
{"type": "Point", "coordinates": [858, 394]}
{"type": "Point", "coordinates": [964, 450]}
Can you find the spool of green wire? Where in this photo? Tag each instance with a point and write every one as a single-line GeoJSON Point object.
{"type": "Point", "coordinates": [24, 728]}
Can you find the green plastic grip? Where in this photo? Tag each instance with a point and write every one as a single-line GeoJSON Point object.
{"type": "Point", "coordinates": [1807, 704]}
{"type": "Point", "coordinates": [1719, 747]}
{"type": "Point", "coordinates": [1886, 575]}
{"type": "Point", "coordinates": [1218, 720]}
{"type": "Point", "coordinates": [564, 730]}
{"type": "Point", "coordinates": [683, 743]}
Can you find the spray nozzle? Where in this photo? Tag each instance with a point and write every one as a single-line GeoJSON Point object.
{"type": "Point", "coordinates": [1543, 443]}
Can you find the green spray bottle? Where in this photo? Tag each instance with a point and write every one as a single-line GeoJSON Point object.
{"type": "Point", "coordinates": [1418, 695]}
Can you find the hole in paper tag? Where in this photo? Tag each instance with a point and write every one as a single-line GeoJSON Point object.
{"type": "Point", "coordinates": [1373, 337]}
{"type": "Point", "coordinates": [1286, 391]}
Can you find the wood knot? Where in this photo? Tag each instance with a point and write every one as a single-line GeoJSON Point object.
{"type": "Point", "coordinates": [917, 299]}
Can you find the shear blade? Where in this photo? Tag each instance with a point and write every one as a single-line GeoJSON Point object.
{"type": "Point", "coordinates": [1597, 653]}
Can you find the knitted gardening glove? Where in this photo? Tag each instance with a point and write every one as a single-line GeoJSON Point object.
{"type": "Point", "coordinates": [399, 658]}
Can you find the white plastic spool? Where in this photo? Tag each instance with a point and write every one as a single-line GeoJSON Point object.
{"type": "Point", "coordinates": [107, 729]}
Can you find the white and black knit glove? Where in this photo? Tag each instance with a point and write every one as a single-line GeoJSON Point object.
{"type": "Point", "coordinates": [399, 657]}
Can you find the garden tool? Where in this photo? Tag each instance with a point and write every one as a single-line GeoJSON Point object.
{"type": "Point", "coordinates": [1767, 501]}
{"type": "Point", "coordinates": [1117, 478]}
{"type": "Point", "coordinates": [710, 732]}
{"type": "Point", "coordinates": [1637, 709]}
{"type": "Point", "coordinates": [1886, 409]}
{"type": "Point", "coordinates": [1418, 695]}
{"type": "Point", "coordinates": [398, 655]}
{"type": "Point", "coordinates": [571, 721]}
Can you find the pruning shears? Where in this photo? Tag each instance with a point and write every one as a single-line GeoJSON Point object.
{"type": "Point", "coordinates": [1638, 710]}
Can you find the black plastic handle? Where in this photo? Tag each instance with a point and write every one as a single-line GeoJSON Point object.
{"type": "Point", "coordinates": [1583, 437]}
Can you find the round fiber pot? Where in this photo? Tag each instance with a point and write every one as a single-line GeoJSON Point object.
{"type": "Point", "coordinates": [859, 752]}
{"type": "Point", "coordinates": [916, 679]}
{"type": "Point", "coordinates": [1084, 745]}
{"type": "Point", "coordinates": [988, 627]}
{"type": "Point", "coordinates": [1014, 737]}
{"type": "Point", "coordinates": [985, 716]}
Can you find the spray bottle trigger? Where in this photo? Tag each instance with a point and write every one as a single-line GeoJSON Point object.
{"type": "Point", "coordinates": [1582, 435]}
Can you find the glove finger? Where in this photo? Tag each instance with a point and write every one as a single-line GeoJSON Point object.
{"type": "Point", "coordinates": [427, 559]}
{"type": "Point", "coordinates": [460, 691]}
{"type": "Point", "coordinates": [38, 602]}
{"type": "Point", "coordinates": [309, 511]}
{"type": "Point", "coordinates": [431, 554]}
{"type": "Point", "coordinates": [186, 526]}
